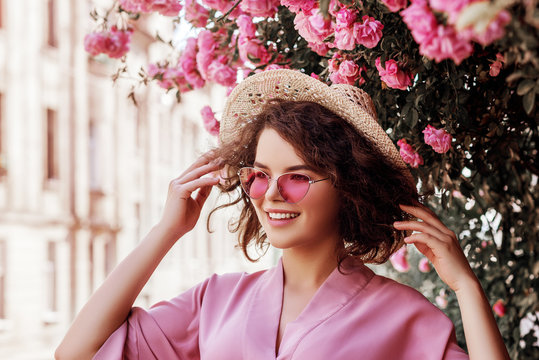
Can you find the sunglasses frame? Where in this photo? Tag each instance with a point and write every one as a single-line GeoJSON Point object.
{"type": "Point", "coordinates": [310, 181]}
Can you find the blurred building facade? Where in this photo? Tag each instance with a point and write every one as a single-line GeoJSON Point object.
{"type": "Point", "coordinates": [84, 175]}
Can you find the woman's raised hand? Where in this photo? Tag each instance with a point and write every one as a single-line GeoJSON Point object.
{"type": "Point", "coordinates": [184, 202]}
{"type": "Point", "coordinates": [439, 244]}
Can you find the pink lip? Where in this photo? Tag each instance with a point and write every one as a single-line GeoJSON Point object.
{"type": "Point", "coordinates": [279, 211]}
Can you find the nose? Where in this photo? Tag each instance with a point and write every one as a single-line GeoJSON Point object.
{"type": "Point", "coordinates": [272, 194]}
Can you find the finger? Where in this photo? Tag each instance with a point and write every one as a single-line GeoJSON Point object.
{"type": "Point", "coordinates": [202, 195]}
{"type": "Point", "coordinates": [422, 227]}
{"type": "Point", "coordinates": [188, 188]}
{"type": "Point", "coordinates": [428, 216]}
{"type": "Point", "coordinates": [427, 244]}
{"type": "Point", "coordinates": [199, 172]}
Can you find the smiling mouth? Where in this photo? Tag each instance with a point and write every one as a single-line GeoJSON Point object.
{"type": "Point", "coordinates": [281, 216]}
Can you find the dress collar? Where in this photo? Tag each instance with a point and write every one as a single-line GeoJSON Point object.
{"type": "Point", "coordinates": [265, 309]}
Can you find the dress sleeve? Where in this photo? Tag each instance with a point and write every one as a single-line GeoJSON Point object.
{"type": "Point", "coordinates": [168, 330]}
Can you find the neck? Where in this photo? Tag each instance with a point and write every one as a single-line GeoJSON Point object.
{"type": "Point", "coordinates": [307, 270]}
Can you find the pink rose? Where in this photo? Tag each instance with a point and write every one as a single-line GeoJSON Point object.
{"type": "Point", "coordinates": [408, 154]}
{"type": "Point", "coordinates": [321, 49]}
{"type": "Point", "coordinates": [246, 26]}
{"type": "Point", "coordinates": [187, 63]}
{"type": "Point", "coordinates": [424, 265]}
{"type": "Point", "coordinates": [441, 299]}
{"type": "Point", "coordinates": [168, 78]}
{"type": "Point", "coordinates": [393, 75]}
{"type": "Point", "coordinates": [315, 76]}
{"type": "Point", "coordinates": [196, 14]}
{"type": "Point", "coordinates": [166, 7]}
{"type": "Point", "coordinates": [399, 260]}
{"type": "Point", "coordinates": [345, 39]}
{"type": "Point", "coordinates": [337, 78]}
{"type": "Point", "coordinates": [222, 74]}
{"type": "Point", "coordinates": [446, 44]}
{"type": "Point", "coordinates": [206, 41]}
{"type": "Point", "coordinates": [297, 5]}
{"type": "Point", "coordinates": [321, 27]}
{"type": "Point", "coordinates": [395, 5]}
{"type": "Point", "coordinates": [253, 50]}
{"type": "Point", "coordinates": [439, 139]}
{"type": "Point", "coordinates": [420, 20]}
{"type": "Point", "coordinates": [191, 47]}
{"type": "Point", "coordinates": [93, 43]}
{"type": "Point", "coordinates": [117, 43]}
{"type": "Point", "coordinates": [345, 18]}
{"type": "Point", "coordinates": [133, 6]}
{"type": "Point", "coordinates": [334, 62]}
{"type": "Point", "coordinates": [313, 28]}
{"type": "Point", "coordinates": [496, 66]}
{"type": "Point", "coordinates": [348, 72]}
{"type": "Point", "coordinates": [210, 122]}
{"type": "Point", "coordinates": [194, 78]}
{"type": "Point", "coordinates": [264, 8]}
{"type": "Point", "coordinates": [499, 308]}
{"type": "Point", "coordinates": [348, 68]}
{"type": "Point", "coordinates": [369, 32]}
{"type": "Point", "coordinates": [114, 43]}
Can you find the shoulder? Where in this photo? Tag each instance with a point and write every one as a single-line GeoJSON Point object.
{"type": "Point", "coordinates": [229, 285]}
{"type": "Point", "coordinates": [403, 299]}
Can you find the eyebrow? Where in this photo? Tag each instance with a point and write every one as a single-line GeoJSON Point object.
{"type": "Point", "coordinates": [290, 168]}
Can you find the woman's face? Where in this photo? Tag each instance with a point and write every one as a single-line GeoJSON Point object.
{"type": "Point", "coordinates": [312, 223]}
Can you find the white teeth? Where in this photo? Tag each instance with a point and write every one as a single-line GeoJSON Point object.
{"type": "Point", "coordinates": [283, 215]}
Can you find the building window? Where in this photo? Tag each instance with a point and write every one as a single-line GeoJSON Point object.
{"type": "Point", "coordinates": [52, 155]}
{"type": "Point", "coordinates": [51, 271]}
{"type": "Point", "coordinates": [51, 23]}
{"type": "Point", "coordinates": [3, 276]}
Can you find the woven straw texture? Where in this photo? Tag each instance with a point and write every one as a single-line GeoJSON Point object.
{"type": "Point", "coordinates": [349, 102]}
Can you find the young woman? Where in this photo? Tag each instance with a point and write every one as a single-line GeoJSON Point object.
{"type": "Point", "coordinates": [323, 182]}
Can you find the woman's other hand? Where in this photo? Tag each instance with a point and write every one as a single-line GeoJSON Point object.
{"type": "Point", "coordinates": [439, 244]}
{"type": "Point", "coordinates": [184, 203]}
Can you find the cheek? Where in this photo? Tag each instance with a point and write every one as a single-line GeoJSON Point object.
{"type": "Point", "coordinates": [257, 205]}
{"type": "Point", "coordinates": [324, 206]}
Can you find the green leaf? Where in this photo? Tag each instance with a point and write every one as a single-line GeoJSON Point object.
{"type": "Point", "coordinates": [525, 86]}
{"type": "Point", "coordinates": [529, 101]}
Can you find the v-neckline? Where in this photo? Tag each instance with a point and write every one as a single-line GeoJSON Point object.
{"type": "Point", "coordinates": [264, 313]}
{"type": "Point", "coordinates": [305, 308]}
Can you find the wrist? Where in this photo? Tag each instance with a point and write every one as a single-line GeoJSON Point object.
{"type": "Point", "coordinates": [166, 233]}
{"type": "Point", "coordinates": [470, 285]}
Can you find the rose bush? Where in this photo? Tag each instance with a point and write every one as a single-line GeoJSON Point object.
{"type": "Point", "coordinates": [454, 84]}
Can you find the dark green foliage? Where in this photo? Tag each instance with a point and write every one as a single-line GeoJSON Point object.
{"type": "Point", "coordinates": [486, 185]}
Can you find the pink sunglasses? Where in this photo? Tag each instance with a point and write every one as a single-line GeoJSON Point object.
{"type": "Point", "coordinates": [292, 186]}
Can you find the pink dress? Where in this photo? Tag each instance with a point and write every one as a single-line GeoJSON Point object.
{"type": "Point", "coordinates": [359, 315]}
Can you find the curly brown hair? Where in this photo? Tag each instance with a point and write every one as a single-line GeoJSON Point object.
{"type": "Point", "coordinates": [370, 186]}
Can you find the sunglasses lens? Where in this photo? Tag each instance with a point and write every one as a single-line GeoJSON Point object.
{"type": "Point", "coordinates": [293, 187]}
{"type": "Point", "coordinates": [254, 182]}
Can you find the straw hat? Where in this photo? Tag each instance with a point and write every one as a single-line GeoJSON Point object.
{"type": "Point", "coordinates": [349, 102]}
